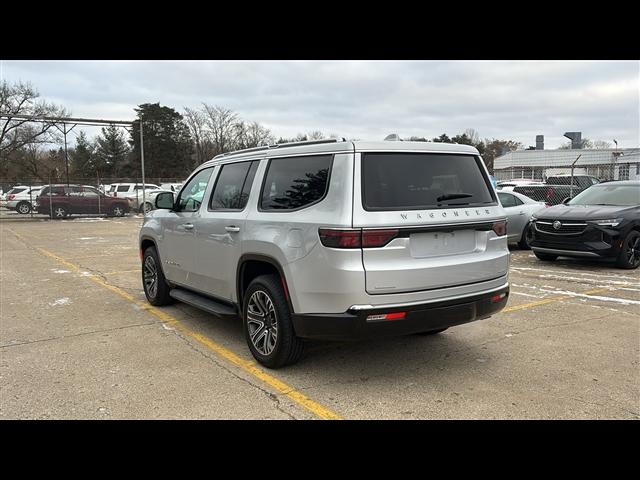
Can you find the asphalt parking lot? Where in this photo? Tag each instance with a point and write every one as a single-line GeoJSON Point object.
{"type": "Point", "coordinates": [78, 340]}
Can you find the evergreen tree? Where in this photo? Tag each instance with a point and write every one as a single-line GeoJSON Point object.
{"type": "Point", "coordinates": [111, 151]}
{"type": "Point", "coordinates": [82, 157]}
{"type": "Point", "coordinates": [167, 142]}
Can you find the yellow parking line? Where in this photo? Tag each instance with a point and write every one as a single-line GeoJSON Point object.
{"type": "Point", "coordinates": [246, 365]}
{"type": "Point", "coordinates": [550, 300]}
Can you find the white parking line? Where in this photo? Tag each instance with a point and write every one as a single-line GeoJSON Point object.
{"type": "Point", "coordinates": [574, 272]}
{"type": "Point", "coordinates": [624, 301]}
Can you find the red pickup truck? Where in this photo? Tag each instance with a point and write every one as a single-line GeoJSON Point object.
{"type": "Point", "coordinates": [59, 201]}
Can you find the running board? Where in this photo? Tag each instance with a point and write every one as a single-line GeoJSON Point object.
{"type": "Point", "coordinates": [203, 303]}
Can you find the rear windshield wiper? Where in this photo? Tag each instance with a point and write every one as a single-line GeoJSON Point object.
{"type": "Point", "coordinates": [451, 196]}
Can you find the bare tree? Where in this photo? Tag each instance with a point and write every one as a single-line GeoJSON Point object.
{"type": "Point", "coordinates": [315, 135]}
{"type": "Point", "coordinates": [197, 123]}
{"type": "Point", "coordinates": [22, 99]}
{"type": "Point", "coordinates": [473, 136]}
{"type": "Point", "coordinates": [601, 144]}
{"type": "Point", "coordinates": [221, 124]}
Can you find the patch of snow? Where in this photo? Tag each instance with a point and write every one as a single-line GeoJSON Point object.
{"type": "Point", "coordinates": [61, 301]}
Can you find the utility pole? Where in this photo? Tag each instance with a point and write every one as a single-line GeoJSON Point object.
{"type": "Point", "coordinates": [66, 153]}
{"type": "Point", "coordinates": [144, 197]}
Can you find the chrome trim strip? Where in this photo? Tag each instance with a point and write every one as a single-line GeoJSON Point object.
{"type": "Point", "coordinates": [561, 233]}
{"type": "Point", "coordinates": [572, 253]}
{"type": "Point", "coordinates": [426, 302]}
{"type": "Point", "coordinates": [563, 223]}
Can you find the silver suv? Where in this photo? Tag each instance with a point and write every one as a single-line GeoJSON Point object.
{"type": "Point", "coordinates": [331, 240]}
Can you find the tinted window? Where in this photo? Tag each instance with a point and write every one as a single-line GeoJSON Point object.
{"type": "Point", "coordinates": [191, 195]}
{"type": "Point", "coordinates": [123, 188]}
{"type": "Point", "coordinates": [233, 186]}
{"type": "Point", "coordinates": [295, 182]}
{"type": "Point", "coordinates": [90, 192]}
{"type": "Point", "coordinates": [59, 190]}
{"type": "Point", "coordinates": [73, 191]}
{"type": "Point", "coordinates": [397, 181]}
{"type": "Point", "coordinates": [16, 190]}
{"type": "Point", "coordinates": [507, 200]}
{"type": "Point", "coordinates": [603, 194]}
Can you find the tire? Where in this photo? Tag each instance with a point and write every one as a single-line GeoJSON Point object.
{"type": "Point", "coordinates": [432, 332]}
{"type": "Point", "coordinates": [265, 297]}
{"type": "Point", "coordinates": [146, 208]}
{"type": "Point", "coordinates": [23, 208]}
{"type": "Point", "coordinates": [526, 238]}
{"type": "Point", "coordinates": [629, 257]}
{"type": "Point", "coordinates": [154, 283]}
{"type": "Point", "coordinates": [117, 210]}
{"type": "Point", "coordinates": [59, 212]}
{"type": "Point", "coordinates": [545, 257]}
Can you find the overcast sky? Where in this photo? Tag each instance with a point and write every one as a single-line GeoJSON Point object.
{"type": "Point", "coordinates": [363, 99]}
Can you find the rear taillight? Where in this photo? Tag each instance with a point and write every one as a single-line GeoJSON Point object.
{"type": "Point", "coordinates": [340, 238]}
{"type": "Point", "coordinates": [500, 228]}
{"type": "Point", "coordinates": [11, 197]}
{"type": "Point", "coordinates": [377, 238]}
{"type": "Point", "coordinates": [356, 238]}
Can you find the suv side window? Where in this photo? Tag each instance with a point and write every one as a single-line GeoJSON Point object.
{"type": "Point", "coordinates": [233, 185]}
{"type": "Point", "coordinates": [90, 192]}
{"type": "Point", "coordinates": [295, 182]}
{"type": "Point", "coordinates": [190, 197]}
{"type": "Point", "coordinates": [123, 188]}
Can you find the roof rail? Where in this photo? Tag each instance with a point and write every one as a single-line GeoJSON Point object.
{"type": "Point", "coordinates": [283, 145]}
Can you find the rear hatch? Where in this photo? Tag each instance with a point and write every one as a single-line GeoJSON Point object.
{"type": "Point", "coordinates": [445, 225]}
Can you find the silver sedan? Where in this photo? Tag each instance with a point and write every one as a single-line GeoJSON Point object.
{"type": "Point", "coordinates": [519, 209]}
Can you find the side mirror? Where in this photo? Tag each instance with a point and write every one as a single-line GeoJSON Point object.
{"type": "Point", "coordinates": [566, 200]}
{"type": "Point", "coordinates": [165, 201]}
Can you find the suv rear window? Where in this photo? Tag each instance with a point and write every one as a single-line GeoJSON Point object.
{"type": "Point", "coordinates": [417, 181]}
{"type": "Point", "coordinates": [16, 190]}
{"type": "Point", "coordinates": [295, 182]}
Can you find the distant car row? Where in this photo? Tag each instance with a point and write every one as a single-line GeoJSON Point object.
{"type": "Point", "coordinates": [58, 201]}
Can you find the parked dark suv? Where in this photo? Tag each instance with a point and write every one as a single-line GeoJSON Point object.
{"type": "Point", "coordinates": [602, 221]}
{"type": "Point", "coordinates": [59, 201]}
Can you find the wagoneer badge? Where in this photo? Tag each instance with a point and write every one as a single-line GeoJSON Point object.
{"type": "Point", "coordinates": [557, 225]}
{"type": "Point", "coordinates": [455, 213]}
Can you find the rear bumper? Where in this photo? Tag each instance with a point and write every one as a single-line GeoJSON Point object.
{"type": "Point", "coordinates": [353, 324]}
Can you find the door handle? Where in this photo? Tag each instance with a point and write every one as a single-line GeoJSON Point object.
{"type": "Point", "coordinates": [188, 226]}
{"type": "Point", "coordinates": [521, 213]}
{"type": "Point", "coordinates": [232, 228]}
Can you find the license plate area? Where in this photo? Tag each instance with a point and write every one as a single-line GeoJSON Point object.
{"type": "Point", "coordinates": [437, 244]}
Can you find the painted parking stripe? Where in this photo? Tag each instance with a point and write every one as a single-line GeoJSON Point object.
{"type": "Point", "coordinates": [551, 300]}
{"type": "Point", "coordinates": [248, 366]}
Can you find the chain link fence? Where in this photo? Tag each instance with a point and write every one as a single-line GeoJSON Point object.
{"type": "Point", "coordinates": [553, 175]}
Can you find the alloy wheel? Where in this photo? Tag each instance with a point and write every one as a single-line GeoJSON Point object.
{"type": "Point", "coordinates": [59, 212]}
{"type": "Point", "coordinates": [150, 276]}
{"type": "Point", "coordinates": [262, 322]}
{"type": "Point", "coordinates": [633, 252]}
{"type": "Point", "coordinates": [24, 208]}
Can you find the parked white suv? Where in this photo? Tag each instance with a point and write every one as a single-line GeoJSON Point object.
{"type": "Point", "coordinates": [133, 193]}
{"type": "Point", "coordinates": [21, 198]}
{"type": "Point", "coordinates": [331, 240]}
